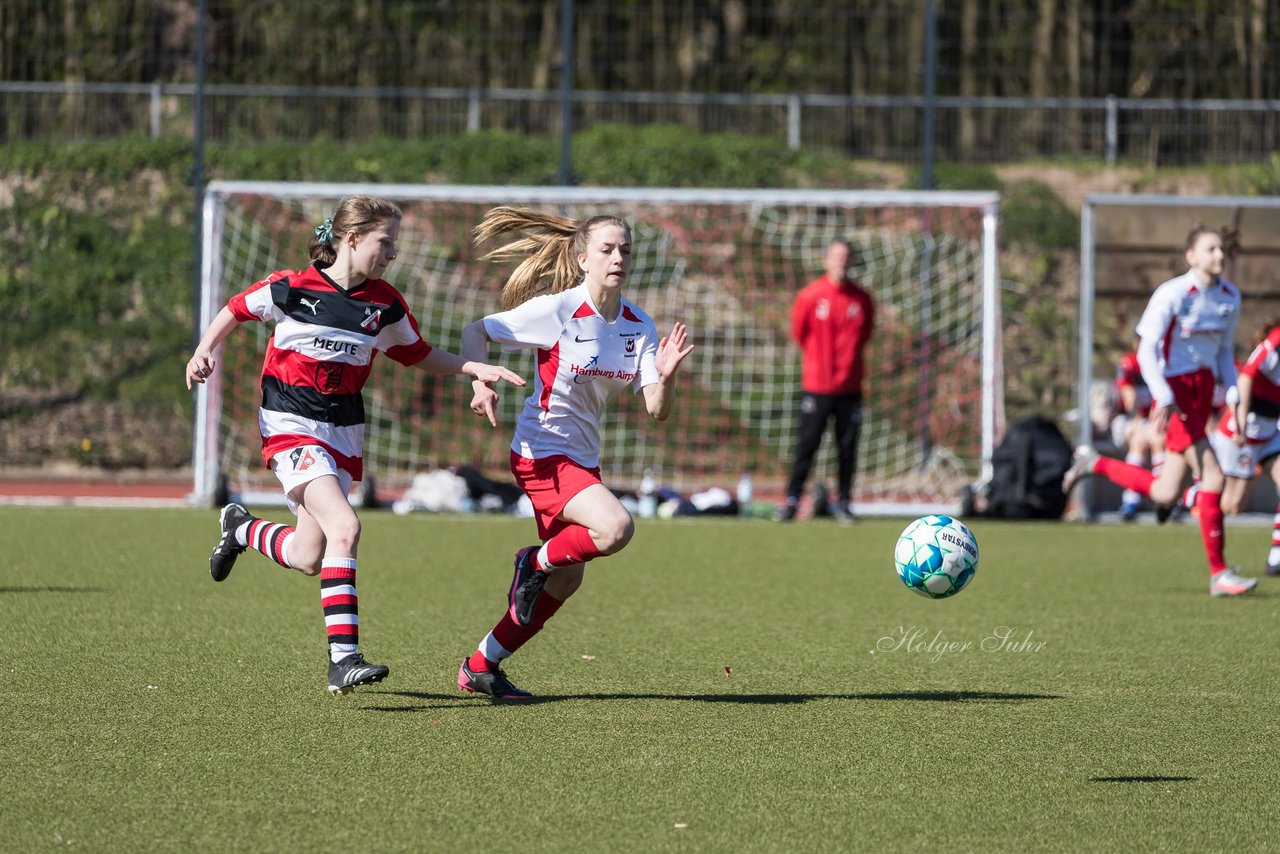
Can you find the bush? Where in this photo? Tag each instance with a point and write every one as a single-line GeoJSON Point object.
{"type": "Point", "coordinates": [1032, 215]}
{"type": "Point", "coordinates": [957, 176]}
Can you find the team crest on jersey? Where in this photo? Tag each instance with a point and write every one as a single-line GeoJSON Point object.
{"type": "Point", "coordinates": [631, 345]}
{"type": "Point", "coordinates": [329, 376]}
{"type": "Point", "coordinates": [372, 318]}
{"type": "Point", "coordinates": [822, 310]}
{"type": "Point", "coordinates": [302, 459]}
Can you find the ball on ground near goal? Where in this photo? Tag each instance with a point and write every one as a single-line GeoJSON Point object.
{"type": "Point", "coordinates": [936, 556]}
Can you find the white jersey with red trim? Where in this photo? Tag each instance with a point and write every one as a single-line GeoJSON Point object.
{"type": "Point", "coordinates": [320, 355]}
{"type": "Point", "coordinates": [583, 361]}
{"type": "Point", "coordinates": [1186, 328]}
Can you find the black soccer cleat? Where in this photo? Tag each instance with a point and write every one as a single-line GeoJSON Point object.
{"type": "Point", "coordinates": [492, 683]}
{"type": "Point", "coordinates": [227, 550]}
{"type": "Point", "coordinates": [526, 586]}
{"type": "Point", "coordinates": [352, 671]}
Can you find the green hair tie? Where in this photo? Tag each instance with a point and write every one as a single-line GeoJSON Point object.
{"type": "Point", "coordinates": [324, 231]}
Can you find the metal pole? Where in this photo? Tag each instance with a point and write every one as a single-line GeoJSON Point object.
{"type": "Point", "coordinates": [992, 375]}
{"type": "Point", "coordinates": [1084, 425]}
{"type": "Point", "coordinates": [793, 122]}
{"type": "Point", "coordinates": [930, 93]}
{"type": "Point", "coordinates": [1112, 132]}
{"type": "Point", "coordinates": [199, 436]}
{"type": "Point", "coordinates": [197, 171]}
{"type": "Point", "coordinates": [925, 403]}
{"type": "Point", "coordinates": [566, 92]}
{"type": "Point", "coordinates": [156, 92]}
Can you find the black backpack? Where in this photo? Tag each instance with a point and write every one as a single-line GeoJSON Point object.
{"type": "Point", "coordinates": [1027, 470]}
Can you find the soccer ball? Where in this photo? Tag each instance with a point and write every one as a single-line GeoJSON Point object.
{"type": "Point", "coordinates": [936, 556]}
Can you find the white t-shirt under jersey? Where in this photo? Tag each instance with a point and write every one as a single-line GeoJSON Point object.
{"type": "Point", "coordinates": [1186, 328]}
{"type": "Point", "coordinates": [583, 361]}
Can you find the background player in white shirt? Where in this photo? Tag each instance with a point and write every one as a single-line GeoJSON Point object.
{"type": "Point", "coordinates": [1186, 337]}
{"type": "Point", "coordinates": [331, 319]}
{"type": "Point", "coordinates": [591, 343]}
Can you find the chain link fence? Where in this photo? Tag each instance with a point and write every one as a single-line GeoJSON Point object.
{"type": "Point", "coordinates": [1157, 131]}
{"type": "Point", "coordinates": [1151, 81]}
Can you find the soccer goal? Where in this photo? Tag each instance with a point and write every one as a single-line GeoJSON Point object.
{"type": "Point", "coordinates": [1129, 245]}
{"type": "Point", "coordinates": [726, 262]}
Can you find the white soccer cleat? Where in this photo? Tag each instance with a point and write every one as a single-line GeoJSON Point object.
{"type": "Point", "coordinates": [1086, 457]}
{"type": "Point", "coordinates": [1228, 583]}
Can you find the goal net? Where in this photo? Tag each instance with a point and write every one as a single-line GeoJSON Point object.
{"type": "Point", "coordinates": [1129, 245]}
{"type": "Point", "coordinates": [726, 262]}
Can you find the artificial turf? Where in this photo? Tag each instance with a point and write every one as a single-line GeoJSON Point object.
{"type": "Point", "coordinates": [721, 685]}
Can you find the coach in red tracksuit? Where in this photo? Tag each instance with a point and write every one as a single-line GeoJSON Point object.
{"type": "Point", "coordinates": [832, 321]}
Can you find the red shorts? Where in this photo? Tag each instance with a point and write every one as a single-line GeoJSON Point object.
{"type": "Point", "coordinates": [550, 483]}
{"type": "Point", "coordinates": [1193, 395]}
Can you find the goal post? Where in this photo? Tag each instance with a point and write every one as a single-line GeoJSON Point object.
{"type": "Point", "coordinates": [726, 262]}
{"type": "Point", "coordinates": [1129, 245]}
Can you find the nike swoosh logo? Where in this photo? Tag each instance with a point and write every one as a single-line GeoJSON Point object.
{"type": "Point", "coordinates": [582, 340]}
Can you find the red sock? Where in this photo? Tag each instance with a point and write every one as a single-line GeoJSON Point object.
{"type": "Point", "coordinates": [572, 545]}
{"type": "Point", "coordinates": [508, 636]}
{"type": "Point", "coordinates": [1125, 475]}
{"type": "Point", "coordinates": [1211, 530]}
{"type": "Point", "coordinates": [1275, 529]}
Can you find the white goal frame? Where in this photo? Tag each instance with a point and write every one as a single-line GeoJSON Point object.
{"type": "Point", "coordinates": [206, 449]}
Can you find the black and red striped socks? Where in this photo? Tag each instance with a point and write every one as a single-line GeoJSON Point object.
{"type": "Point", "coordinates": [270, 538]}
{"type": "Point", "coordinates": [340, 604]}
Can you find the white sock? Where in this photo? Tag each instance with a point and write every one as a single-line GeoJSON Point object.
{"type": "Point", "coordinates": [242, 535]}
{"type": "Point", "coordinates": [492, 650]}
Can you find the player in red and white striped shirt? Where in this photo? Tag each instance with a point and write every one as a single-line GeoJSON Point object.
{"type": "Point", "coordinates": [1186, 333]}
{"type": "Point", "coordinates": [1244, 454]}
{"type": "Point", "coordinates": [331, 319]}
{"type": "Point", "coordinates": [591, 343]}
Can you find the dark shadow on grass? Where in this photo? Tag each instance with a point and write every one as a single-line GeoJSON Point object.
{"type": "Point", "coordinates": [1142, 779]}
{"type": "Point", "coordinates": [52, 590]}
{"type": "Point", "coordinates": [454, 701]}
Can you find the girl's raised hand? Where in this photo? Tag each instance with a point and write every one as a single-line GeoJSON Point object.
{"type": "Point", "coordinates": [672, 350]}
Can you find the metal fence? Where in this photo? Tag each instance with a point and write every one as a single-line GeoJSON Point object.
{"type": "Point", "coordinates": [1161, 131]}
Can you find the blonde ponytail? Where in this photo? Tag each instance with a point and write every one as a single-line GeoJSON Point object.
{"type": "Point", "coordinates": [550, 249]}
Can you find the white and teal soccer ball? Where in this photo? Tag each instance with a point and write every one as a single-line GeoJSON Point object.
{"type": "Point", "coordinates": [936, 556]}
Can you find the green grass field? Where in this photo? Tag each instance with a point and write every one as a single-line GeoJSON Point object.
{"type": "Point", "coordinates": [720, 686]}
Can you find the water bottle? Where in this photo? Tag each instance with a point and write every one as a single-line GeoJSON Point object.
{"type": "Point", "coordinates": [746, 492]}
{"type": "Point", "coordinates": [648, 495]}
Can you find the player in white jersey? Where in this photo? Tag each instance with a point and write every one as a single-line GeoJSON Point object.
{"type": "Point", "coordinates": [565, 301]}
{"type": "Point", "coordinates": [331, 319]}
{"type": "Point", "coordinates": [1186, 336]}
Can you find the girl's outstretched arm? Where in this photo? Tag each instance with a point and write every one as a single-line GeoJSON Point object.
{"type": "Point", "coordinates": [202, 362]}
